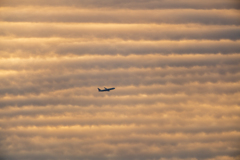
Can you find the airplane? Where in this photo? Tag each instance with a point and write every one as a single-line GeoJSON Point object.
{"type": "Point", "coordinates": [106, 89]}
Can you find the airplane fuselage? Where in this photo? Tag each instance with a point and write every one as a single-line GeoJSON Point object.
{"type": "Point", "coordinates": [106, 89]}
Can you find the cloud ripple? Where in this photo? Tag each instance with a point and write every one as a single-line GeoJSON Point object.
{"type": "Point", "coordinates": [175, 66]}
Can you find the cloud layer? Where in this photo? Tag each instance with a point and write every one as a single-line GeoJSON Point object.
{"type": "Point", "coordinates": [122, 16]}
{"type": "Point", "coordinates": [130, 4]}
{"type": "Point", "coordinates": [174, 64]}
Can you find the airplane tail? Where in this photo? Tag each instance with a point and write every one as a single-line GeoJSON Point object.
{"type": "Point", "coordinates": [99, 89]}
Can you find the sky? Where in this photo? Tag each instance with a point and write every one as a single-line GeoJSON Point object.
{"type": "Point", "coordinates": [175, 66]}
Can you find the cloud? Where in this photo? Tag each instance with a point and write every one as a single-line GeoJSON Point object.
{"type": "Point", "coordinates": [122, 111]}
{"type": "Point", "coordinates": [109, 62]}
{"type": "Point", "coordinates": [130, 4]}
{"type": "Point", "coordinates": [157, 143]}
{"type": "Point", "coordinates": [70, 118]}
{"type": "Point", "coordinates": [126, 81]}
{"type": "Point", "coordinates": [44, 100]}
{"type": "Point", "coordinates": [175, 66]}
{"type": "Point", "coordinates": [55, 46]}
{"type": "Point", "coordinates": [121, 31]}
{"type": "Point", "coordinates": [75, 15]}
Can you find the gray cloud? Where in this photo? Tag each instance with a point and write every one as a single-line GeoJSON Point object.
{"type": "Point", "coordinates": [118, 139]}
{"type": "Point", "coordinates": [44, 100]}
{"type": "Point", "coordinates": [175, 66]}
{"type": "Point", "coordinates": [79, 82]}
{"type": "Point", "coordinates": [121, 31]}
{"type": "Point", "coordinates": [113, 62]}
{"type": "Point", "coordinates": [100, 149]}
{"type": "Point", "coordinates": [73, 15]}
{"type": "Point", "coordinates": [130, 4]}
{"type": "Point", "coordinates": [122, 111]}
{"type": "Point", "coordinates": [74, 73]}
{"type": "Point", "coordinates": [112, 118]}
{"type": "Point", "coordinates": [111, 47]}
{"type": "Point", "coordinates": [86, 132]}
{"type": "Point", "coordinates": [102, 71]}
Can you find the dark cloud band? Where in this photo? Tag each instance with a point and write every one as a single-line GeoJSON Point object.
{"type": "Point", "coordinates": [55, 46]}
{"type": "Point", "coordinates": [129, 4]}
{"type": "Point", "coordinates": [121, 31]}
{"type": "Point", "coordinates": [114, 62]}
{"type": "Point", "coordinates": [74, 15]}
